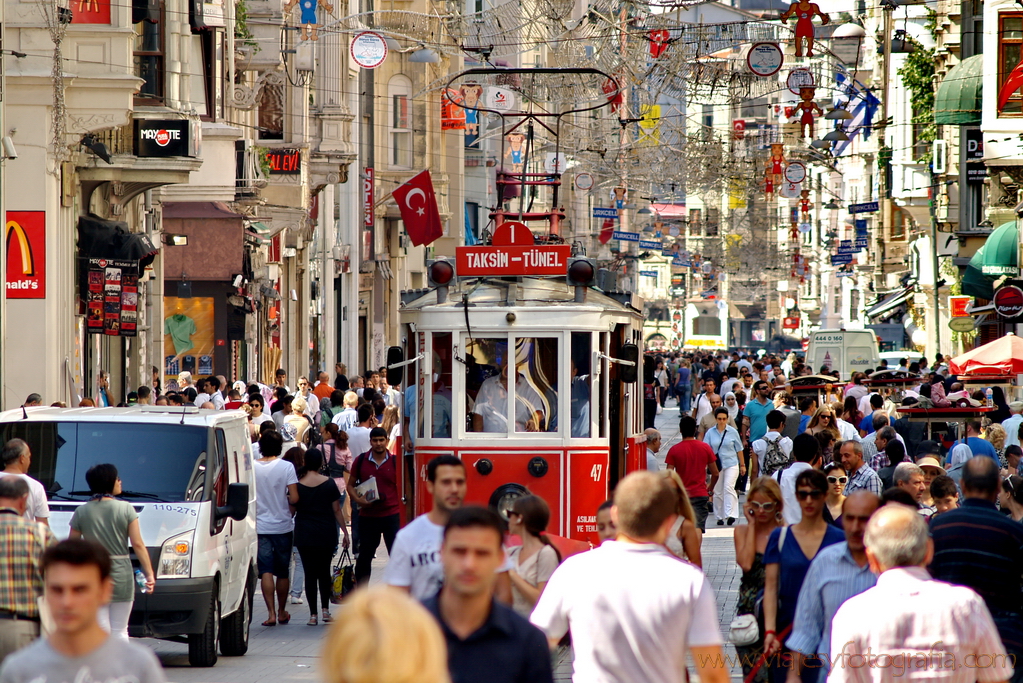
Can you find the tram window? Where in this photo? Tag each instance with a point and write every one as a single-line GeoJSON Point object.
{"type": "Point", "coordinates": [536, 367]}
{"type": "Point", "coordinates": [483, 362]}
{"type": "Point", "coordinates": [582, 388]}
{"type": "Point", "coordinates": [602, 391]}
{"type": "Point", "coordinates": [441, 378]}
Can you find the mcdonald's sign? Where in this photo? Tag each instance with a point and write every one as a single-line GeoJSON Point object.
{"type": "Point", "coordinates": [25, 240]}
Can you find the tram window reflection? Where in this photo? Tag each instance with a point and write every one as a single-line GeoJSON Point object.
{"type": "Point", "coordinates": [536, 363]}
{"type": "Point", "coordinates": [579, 378]}
{"type": "Point", "coordinates": [441, 382]}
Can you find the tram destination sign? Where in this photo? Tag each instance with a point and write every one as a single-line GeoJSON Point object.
{"type": "Point", "coordinates": [514, 260]}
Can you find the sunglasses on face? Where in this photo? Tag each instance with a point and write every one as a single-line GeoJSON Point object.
{"type": "Point", "coordinates": [804, 494]}
{"type": "Point", "coordinates": [825, 417]}
{"type": "Point", "coordinates": [838, 480]}
{"type": "Point", "coordinates": [766, 507]}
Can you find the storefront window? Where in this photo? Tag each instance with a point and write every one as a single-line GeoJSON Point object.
{"type": "Point", "coordinates": [1010, 42]}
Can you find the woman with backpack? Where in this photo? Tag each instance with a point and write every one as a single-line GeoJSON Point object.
{"type": "Point", "coordinates": [535, 560]}
{"type": "Point", "coordinates": [337, 458]}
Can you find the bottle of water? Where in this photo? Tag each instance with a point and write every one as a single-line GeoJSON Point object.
{"type": "Point", "coordinates": [989, 397]}
{"type": "Point", "coordinates": [140, 579]}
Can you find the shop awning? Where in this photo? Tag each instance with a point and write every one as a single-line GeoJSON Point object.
{"type": "Point", "coordinates": [1001, 251]}
{"type": "Point", "coordinates": [216, 241]}
{"type": "Point", "coordinates": [974, 283]}
{"type": "Point", "coordinates": [958, 100]}
{"type": "Point", "coordinates": [889, 303]}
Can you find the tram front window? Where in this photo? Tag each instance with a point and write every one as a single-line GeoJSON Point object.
{"type": "Point", "coordinates": [534, 390]}
{"type": "Point", "coordinates": [581, 388]}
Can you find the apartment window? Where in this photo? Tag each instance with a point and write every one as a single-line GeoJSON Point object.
{"type": "Point", "coordinates": [213, 74]}
{"type": "Point", "coordinates": [399, 95]}
{"type": "Point", "coordinates": [148, 57]}
{"type": "Point", "coordinates": [271, 111]}
{"type": "Point", "coordinates": [1010, 50]}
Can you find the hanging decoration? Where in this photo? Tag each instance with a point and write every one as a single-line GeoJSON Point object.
{"type": "Point", "coordinates": [799, 78]}
{"type": "Point", "coordinates": [658, 42]}
{"type": "Point", "coordinates": [452, 116]}
{"type": "Point", "coordinates": [471, 94]}
{"type": "Point", "coordinates": [310, 24]}
{"type": "Point", "coordinates": [808, 107]}
{"type": "Point", "coordinates": [805, 204]}
{"type": "Point", "coordinates": [516, 152]}
{"type": "Point", "coordinates": [804, 11]}
{"type": "Point", "coordinates": [764, 59]}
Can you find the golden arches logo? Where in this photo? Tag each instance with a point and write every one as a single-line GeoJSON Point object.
{"type": "Point", "coordinates": [15, 231]}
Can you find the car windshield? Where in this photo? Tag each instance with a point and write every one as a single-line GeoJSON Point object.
{"type": "Point", "coordinates": [154, 461]}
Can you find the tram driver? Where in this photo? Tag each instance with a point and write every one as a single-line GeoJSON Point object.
{"type": "Point", "coordinates": [489, 414]}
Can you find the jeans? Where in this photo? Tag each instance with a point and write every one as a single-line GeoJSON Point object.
{"type": "Point", "coordinates": [316, 559]}
{"type": "Point", "coordinates": [371, 529]}
{"type": "Point", "coordinates": [700, 508]}
{"type": "Point", "coordinates": [726, 502]}
{"type": "Point", "coordinates": [685, 397]}
{"type": "Point", "coordinates": [297, 574]}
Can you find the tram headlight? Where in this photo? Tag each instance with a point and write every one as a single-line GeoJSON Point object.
{"type": "Point", "coordinates": [581, 271]}
{"type": "Point", "coordinates": [537, 466]}
{"type": "Point", "coordinates": [484, 466]}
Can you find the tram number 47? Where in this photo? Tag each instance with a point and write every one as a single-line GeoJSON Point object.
{"type": "Point", "coordinates": [596, 472]}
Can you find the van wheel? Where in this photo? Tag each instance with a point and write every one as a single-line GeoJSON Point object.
{"type": "Point", "coordinates": [202, 647]}
{"type": "Point", "coordinates": [234, 630]}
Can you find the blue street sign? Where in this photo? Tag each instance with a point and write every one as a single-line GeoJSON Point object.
{"type": "Point", "coordinates": [845, 273]}
{"type": "Point", "coordinates": [845, 244]}
{"type": "Point", "coordinates": [649, 244]}
{"type": "Point", "coordinates": [866, 207]}
{"type": "Point", "coordinates": [648, 273]}
{"type": "Point", "coordinates": [860, 243]}
{"type": "Point", "coordinates": [680, 262]}
{"type": "Point", "coordinates": [861, 225]}
{"type": "Point", "coordinates": [625, 236]}
{"type": "Point", "coordinates": [847, 250]}
{"type": "Point", "coordinates": [668, 253]}
{"type": "Point", "coordinates": [840, 259]}
{"type": "Point", "coordinates": [605, 212]}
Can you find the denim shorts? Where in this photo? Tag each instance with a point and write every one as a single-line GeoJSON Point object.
{"type": "Point", "coordinates": [274, 554]}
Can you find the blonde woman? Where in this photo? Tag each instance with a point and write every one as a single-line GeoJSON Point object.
{"type": "Point", "coordinates": [763, 513]}
{"type": "Point", "coordinates": [995, 435]}
{"type": "Point", "coordinates": [392, 425]}
{"type": "Point", "coordinates": [298, 419]}
{"type": "Point", "coordinates": [685, 539]}
{"type": "Point", "coordinates": [824, 420]}
{"type": "Point", "coordinates": [375, 624]}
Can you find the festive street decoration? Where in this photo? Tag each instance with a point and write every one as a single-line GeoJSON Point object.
{"type": "Point", "coordinates": [804, 11]}
{"type": "Point", "coordinates": [808, 107]}
{"type": "Point", "coordinates": [308, 19]}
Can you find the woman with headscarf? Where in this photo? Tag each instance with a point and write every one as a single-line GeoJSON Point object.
{"type": "Point", "coordinates": [732, 406]}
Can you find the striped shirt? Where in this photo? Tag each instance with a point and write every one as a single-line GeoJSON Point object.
{"type": "Point", "coordinates": [21, 578]}
{"type": "Point", "coordinates": [864, 479]}
{"type": "Point", "coordinates": [833, 578]}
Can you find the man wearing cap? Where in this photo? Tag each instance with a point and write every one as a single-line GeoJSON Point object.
{"type": "Point", "coordinates": [1013, 423]}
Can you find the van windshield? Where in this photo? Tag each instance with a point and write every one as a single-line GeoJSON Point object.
{"type": "Point", "coordinates": [155, 462]}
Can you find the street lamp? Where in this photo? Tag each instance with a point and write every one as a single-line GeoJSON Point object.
{"type": "Point", "coordinates": [837, 135]}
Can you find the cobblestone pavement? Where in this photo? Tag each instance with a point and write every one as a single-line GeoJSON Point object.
{"type": "Point", "coordinates": [290, 653]}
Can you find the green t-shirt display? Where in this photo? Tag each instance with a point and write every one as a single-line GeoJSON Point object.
{"type": "Point", "coordinates": [180, 328]}
{"type": "Point", "coordinates": [106, 522]}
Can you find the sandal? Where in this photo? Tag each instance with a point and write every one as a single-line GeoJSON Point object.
{"type": "Point", "coordinates": [269, 623]}
{"type": "Point", "coordinates": [284, 620]}
{"type": "Point", "coordinates": [326, 617]}
{"type": "Point", "coordinates": [312, 621]}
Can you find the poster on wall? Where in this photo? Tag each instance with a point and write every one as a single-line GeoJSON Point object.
{"type": "Point", "coordinates": [25, 237]}
{"type": "Point", "coordinates": [112, 297]}
{"type": "Point", "coordinates": [189, 335]}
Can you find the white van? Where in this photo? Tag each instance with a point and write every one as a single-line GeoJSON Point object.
{"type": "Point", "coordinates": [188, 472]}
{"type": "Point", "coordinates": [846, 351]}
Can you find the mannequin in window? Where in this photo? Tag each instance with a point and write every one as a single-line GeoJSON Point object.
{"type": "Point", "coordinates": [180, 328]}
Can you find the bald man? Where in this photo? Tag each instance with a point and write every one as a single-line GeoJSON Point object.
{"type": "Point", "coordinates": [890, 623]}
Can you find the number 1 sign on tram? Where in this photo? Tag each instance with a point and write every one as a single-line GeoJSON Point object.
{"type": "Point", "coordinates": [513, 253]}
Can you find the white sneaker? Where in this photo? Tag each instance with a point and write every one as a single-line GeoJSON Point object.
{"type": "Point", "coordinates": [297, 600]}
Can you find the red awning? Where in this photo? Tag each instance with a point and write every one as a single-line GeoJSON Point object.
{"type": "Point", "coordinates": [669, 210]}
{"type": "Point", "coordinates": [1001, 357]}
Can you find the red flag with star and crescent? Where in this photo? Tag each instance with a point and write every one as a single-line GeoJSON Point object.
{"type": "Point", "coordinates": [418, 205]}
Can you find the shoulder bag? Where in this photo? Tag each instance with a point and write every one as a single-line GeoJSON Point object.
{"type": "Point", "coordinates": [744, 629]}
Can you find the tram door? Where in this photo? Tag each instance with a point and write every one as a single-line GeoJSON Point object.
{"type": "Point", "coordinates": [617, 410]}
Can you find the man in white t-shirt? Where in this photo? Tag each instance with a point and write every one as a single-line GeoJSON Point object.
{"type": "Point", "coordinates": [17, 457]}
{"type": "Point", "coordinates": [358, 436]}
{"type": "Point", "coordinates": [415, 556]}
{"type": "Point", "coordinates": [490, 412]}
{"type": "Point", "coordinates": [276, 492]}
{"type": "Point", "coordinates": [776, 421]}
{"type": "Point", "coordinates": [635, 631]}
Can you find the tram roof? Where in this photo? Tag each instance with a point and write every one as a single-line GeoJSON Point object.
{"type": "Point", "coordinates": [493, 293]}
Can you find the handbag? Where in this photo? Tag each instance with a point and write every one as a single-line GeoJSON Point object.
{"type": "Point", "coordinates": [342, 578]}
{"type": "Point", "coordinates": [744, 630]}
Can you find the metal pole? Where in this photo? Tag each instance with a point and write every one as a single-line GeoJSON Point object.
{"type": "Point", "coordinates": [934, 259]}
{"type": "Point", "coordinates": [887, 8]}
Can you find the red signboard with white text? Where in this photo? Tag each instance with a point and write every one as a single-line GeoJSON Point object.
{"type": "Point", "coordinates": [367, 198]}
{"type": "Point", "coordinates": [511, 261]}
{"type": "Point", "coordinates": [25, 240]}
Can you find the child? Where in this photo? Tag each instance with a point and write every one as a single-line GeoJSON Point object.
{"type": "Point", "coordinates": [944, 493]}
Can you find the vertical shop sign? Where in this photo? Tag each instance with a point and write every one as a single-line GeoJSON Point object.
{"type": "Point", "coordinates": [25, 240]}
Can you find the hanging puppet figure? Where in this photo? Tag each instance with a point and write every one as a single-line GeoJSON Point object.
{"type": "Point", "coordinates": [516, 151]}
{"type": "Point", "coordinates": [804, 11]}
{"type": "Point", "coordinates": [805, 204]}
{"type": "Point", "coordinates": [807, 106]}
{"type": "Point", "coordinates": [309, 21]}
{"type": "Point", "coordinates": [776, 163]}
{"type": "Point", "coordinates": [768, 182]}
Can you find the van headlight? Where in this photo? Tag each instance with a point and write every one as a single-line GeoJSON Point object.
{"type": "Point", "coordinates": [176, 557]}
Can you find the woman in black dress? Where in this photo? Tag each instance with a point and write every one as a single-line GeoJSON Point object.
{"type": "Point", "coordinates": [318, 516]}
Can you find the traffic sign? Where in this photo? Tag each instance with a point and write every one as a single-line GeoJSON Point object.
{"type": "Point", "coordinates": [649, 244]}
{"type": "Point", "coordinates": [648, 273]}
{"type": "Point", "coordinates": [605, 212]}
{"type": "Point", "coordinates": [625, 236]}
{"type": "Point", "coordinates": [866, 207]}
{"type": "Point", "coordinates": [502, 261]}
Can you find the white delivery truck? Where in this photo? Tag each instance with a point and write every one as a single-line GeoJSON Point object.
{"type": "Point", "coordinates": [846, 351]}
{"type": "Point", "coordinates": [189, 474]}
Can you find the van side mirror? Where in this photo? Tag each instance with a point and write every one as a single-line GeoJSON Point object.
{"type": "Point", "coordinates": [237, 503]}
{"type": "Point", "coordinates": [628, 373]}
{"type": "Point", "coordinates": [395, 355]}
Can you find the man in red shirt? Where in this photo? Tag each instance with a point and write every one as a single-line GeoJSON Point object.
{"type": "Point", "coordinates": [378, 507]}
{"type": "Point", "coordinates": [693, 460]}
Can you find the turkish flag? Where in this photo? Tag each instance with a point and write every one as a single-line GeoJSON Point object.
{"type": "Point", "coordinates": [418, 205]}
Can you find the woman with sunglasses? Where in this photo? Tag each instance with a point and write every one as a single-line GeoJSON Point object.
{"type": "Point", "coordinates": [727, 446]}
{"type": "Point", "coordinates": [763, 513]}
{"type": "Point", "coordinates": [790, 550]}
{"type": "Point", "coordinates": [824, 420]}
{"type": "Point", "coordinates": [837, 479]}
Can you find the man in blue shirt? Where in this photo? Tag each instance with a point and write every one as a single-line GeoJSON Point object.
{"type": "Point", "coordinates": [754, 415]}
{"type": "Point", "coordinates": [978, 445]}
{"type": "Point", "coordinates": [837, 573]}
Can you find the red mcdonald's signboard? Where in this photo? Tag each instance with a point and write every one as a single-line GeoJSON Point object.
{"type": "Point", "coordinates": [25, 240]}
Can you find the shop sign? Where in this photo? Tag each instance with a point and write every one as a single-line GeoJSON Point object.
{"type": "Point", "coordinates": [367, 198]}
{"type": "Point", "coordinates": [962, 324]}
{"type": "Point", "coordinates": [285, 161]}
{"type": "Point", "coordinates": [957, 306]}
{"type": "Point", "coordinates": [1008, 301]}
{"type": "Point", "coordinates": [165, 138]}
{"type": "Point", "coordinates": [790, 323]}
{"type": "Point", "coordinates": [25, 237]}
